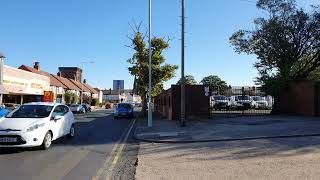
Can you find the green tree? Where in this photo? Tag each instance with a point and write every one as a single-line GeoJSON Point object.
{"type": "Point", "coordinates": [70, 97]}
{"type": "Point", "coordinates": [189, 80]}
{"type": "Point", "coordinates": [286, 43]}
{"type": "Point", "coordinates": [215, 84]}
{"type": "Point", "coordinates": [161, 72]}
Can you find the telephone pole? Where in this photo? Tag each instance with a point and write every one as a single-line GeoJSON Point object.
{"type": "Point", "coordinates": [183, 84]}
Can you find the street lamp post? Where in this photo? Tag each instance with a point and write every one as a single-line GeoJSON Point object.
{"type": "Point", "coordinates": [82, 67]}
{"type": "Point", "coordinates": [1, 75]}
{"type": "Point", "coordinates": [150, 75]}
{"type": "Point", "coordinates": [183, 83]}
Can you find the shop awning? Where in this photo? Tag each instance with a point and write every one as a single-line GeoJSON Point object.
{"type": "Point", "coordinates": [3, 90]}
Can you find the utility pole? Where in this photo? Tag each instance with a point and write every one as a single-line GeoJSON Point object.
{"type": "Point", "coordinates": [183, 84]}
{"type": "Point", "coordinates": [1, 77]}
{"type": "Point", "coordinates": [150, 66]}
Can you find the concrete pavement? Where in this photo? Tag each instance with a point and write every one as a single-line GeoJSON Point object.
{"type": "Point", "coordinates": [228, 129]}
{"type": "Point", "coordinates": [261, 158]}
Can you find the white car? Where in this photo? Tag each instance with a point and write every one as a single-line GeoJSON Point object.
{"type": "Point", "coordinates": [36, 124]}
{"type": "Point", "coordinates": [260, 102]}
{"type": "Point", "coordinates": [221, 102]}
{"type": "Point", "coordinates": [242, 102]}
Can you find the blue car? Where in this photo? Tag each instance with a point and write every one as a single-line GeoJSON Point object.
{"type": "Point", "coordinates": [4, 112]}
{"type": "Point", "coordinates": [124, 110]}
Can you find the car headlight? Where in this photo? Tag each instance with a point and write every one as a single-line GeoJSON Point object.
{"type": "Point", "coordinates": [35, 127]}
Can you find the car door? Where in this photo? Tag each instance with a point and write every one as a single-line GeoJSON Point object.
{"type": "Point", "coordinates": [58, 124]}
{"type": "Point", "coordinates": [68, 120]}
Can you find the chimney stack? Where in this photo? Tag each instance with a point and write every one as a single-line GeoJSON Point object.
{"type": "Point", "coordinates": [37, 65]}
{"type": "Point", "coordinates": [85, 81]}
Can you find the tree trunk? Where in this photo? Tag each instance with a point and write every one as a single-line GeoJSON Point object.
{"type": "Point", "coordinates": [144, 104]}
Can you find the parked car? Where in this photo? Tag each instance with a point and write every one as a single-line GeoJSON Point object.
{"type": "Point", "coordinates": [77, 108]}
{"type": "Point", "coordinates": [3, 112]}
{"type": "Point", "coordinates": [138, 104]}
{"type": "Point", "coordinates": [260, 102]}
{"type": "Point", "coordinates": [36, 124]}
{"type": "Point", "coordinates": [242, 102]}
{"type": "Point", "coordinates": [124, 110]}
{"type": "Point", "coordinates": [87, 107]}
{"type": "Point", "coordinates": [270, 101]}
{"type": "Point", "coordinates": [221, 102]}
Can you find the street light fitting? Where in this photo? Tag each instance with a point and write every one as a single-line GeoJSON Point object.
{"type": "Point", "coordinates": [2, 56]}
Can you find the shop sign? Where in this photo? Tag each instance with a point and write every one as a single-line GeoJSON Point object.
{"type": "Point", "coordinates": [48, 96]}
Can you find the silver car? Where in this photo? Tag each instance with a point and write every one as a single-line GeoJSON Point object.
{"type": "Point", "coordinates": [77, 108]}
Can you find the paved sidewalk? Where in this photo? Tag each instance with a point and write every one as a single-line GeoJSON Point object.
{"type": "Point", "coordinates": [293, 158]}
{"type": "Point", "coordinates": [222, 129]}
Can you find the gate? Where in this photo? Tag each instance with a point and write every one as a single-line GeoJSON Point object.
{"type": "Point", "coordinates": [239, 101]}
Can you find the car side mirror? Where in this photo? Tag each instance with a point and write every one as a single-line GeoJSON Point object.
{"type": "Point", "coordinates": [56, 118]}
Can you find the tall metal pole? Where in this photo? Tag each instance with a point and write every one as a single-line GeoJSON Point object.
{"type": "Point", "coordinates": [183, 85]}
{"type": "Point", "coordinates": [1, 75]}
{"type": "Point", "coordinates": [150, 75]}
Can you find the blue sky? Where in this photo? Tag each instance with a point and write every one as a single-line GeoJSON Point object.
{"type": "Point", "coordinates": [64, 33]}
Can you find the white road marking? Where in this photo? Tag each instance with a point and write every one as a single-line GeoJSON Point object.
{"type": "Point", "coordinates": [115, 150]}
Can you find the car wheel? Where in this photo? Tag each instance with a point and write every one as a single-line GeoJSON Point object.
{"type": "Point", "coordinates": [47, 141]}
{"type": "Point", "coordinates": [72, 132]}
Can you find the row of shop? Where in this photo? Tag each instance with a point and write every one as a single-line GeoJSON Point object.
{"type": "Point", "coordinates": [30, 84]}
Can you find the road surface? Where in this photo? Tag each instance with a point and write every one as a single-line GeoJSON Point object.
{"type": "Point", "coordinates": [92, 154]}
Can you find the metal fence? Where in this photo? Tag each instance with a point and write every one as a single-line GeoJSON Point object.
{"type": "Point", "coordinates": [237, 100]}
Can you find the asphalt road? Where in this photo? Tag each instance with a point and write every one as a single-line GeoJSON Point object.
{"type": "Point", "coordinates": [87, 156]}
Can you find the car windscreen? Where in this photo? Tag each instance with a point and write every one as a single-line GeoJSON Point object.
{"type": "Point", "coordinates": [220, 98]}
{"type": "Point", "coordinates": [243, 98]}
{"type": "Point", "coordinates": [126, 106]}
{"type": "Point", "coordinates": [31, 111]}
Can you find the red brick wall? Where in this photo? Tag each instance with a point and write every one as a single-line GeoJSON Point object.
{"type": "Point", "coordinates": [301, 98]}
{"type": "Point", "coordinates": [197, 104]}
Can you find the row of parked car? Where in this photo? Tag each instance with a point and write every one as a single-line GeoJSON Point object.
{"type": "Point", "coordinates": [80, 108]}
{"type": "Point", "coordinates": [241, 102]}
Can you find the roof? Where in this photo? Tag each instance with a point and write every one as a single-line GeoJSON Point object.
{"type": "Point", "coordinates": [97, 89]}
{"type": "Point", "coordinates": [80, 85]}
{"type": "Point", "coordinates": [67, 83]}
{"type": "Point", "coordinates": [93, 91]}
{"type": "Point", "coordinates": [31, 69]}
{"type": "Point", "coordinates": [53, 81]}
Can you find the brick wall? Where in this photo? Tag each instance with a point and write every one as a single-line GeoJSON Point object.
{"type": "Point", "coordinates": [301, 98]}
{"type": "Point", "coordinates": [197, 104]}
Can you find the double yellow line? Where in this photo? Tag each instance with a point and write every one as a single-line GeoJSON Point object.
{"type": "Point", "coordinates": [115, 154]}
